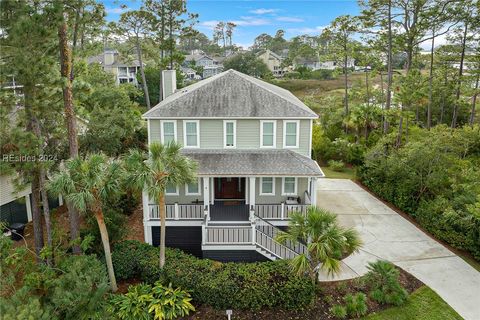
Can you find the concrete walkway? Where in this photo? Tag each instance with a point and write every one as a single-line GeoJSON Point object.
{"type": "Point", "coordinates": [388, 236]}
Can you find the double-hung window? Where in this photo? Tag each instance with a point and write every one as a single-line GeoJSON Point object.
{"type": "Point", "coordinates": [267, 186]}
{"type": "Point", "coordinates": [289, 186]}
{"type": "Point", "coordinates": [268, 134]}
{"type": "Point", "coordinates": [193, 189]}
{"type": "Point", "coordinates": [171, 190]}
{"type": "Point", "coordinates": [191, 133]}
{"type": "Point", "coordinates": [290, 133]}
{"type": "Point", "coordinates": [229, 133]}
{"type": "Point", "coordinates": [169, 129]}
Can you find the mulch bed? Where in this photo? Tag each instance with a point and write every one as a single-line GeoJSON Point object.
{"type": "Point", "coordinates": [331, 293]}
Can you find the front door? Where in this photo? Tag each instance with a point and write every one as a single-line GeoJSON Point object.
{"type": "Point", "coordinates": [229, 188]}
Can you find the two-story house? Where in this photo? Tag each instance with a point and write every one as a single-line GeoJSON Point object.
{"type": "Point", "coordinates": [252, 142]}
{"type": "Point", "coordinates": [209, 65]}
{"type": "Point", "coordinates": [124, 71]}
{"type": "Point", "coordinates": [273, 62]}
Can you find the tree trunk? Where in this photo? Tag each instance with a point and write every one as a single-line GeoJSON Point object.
{"type": "Point", "coordinates": [161, 208]}
{"type": "Point", "coordinates": [37, 216]}
{"type": "Point", "coordinates": [442, 108]}
{"type": "Point", "coordinates": [78, 14]}
{"type": "Point", "coordinates": [106, 247]}
{"type": "Point", "coordinates": [460, 74]}
{"type": "Point", "coordinates": [400, 128]}
{"type": "Point", "coordinates": [142, 73]}
{"type": "Point", "coordinates": [65, 70]}
{"type": "Point", "coordinates": [162, 53]}
{"type": "Point", "coordinates": [345, 71]}
{"type": "Point", "coordinates": [46, 213]}
{"type": "Point", "coordinates": [389, 66]}
{"type": "Point", "coordinates": [368, 90]}
{"type": "Point", "coordinates": [430, 80]}
{"type": "Point", "coordinates": [474, 101]}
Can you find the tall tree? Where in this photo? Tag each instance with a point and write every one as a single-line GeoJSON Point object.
{"type": "Point", "coordinates": [229, 32]}
{"type": "Point", "coordinates": [152, 172]}
{"type": "Point", "coordinates": [340, 34]}
{"type": "Point", "coordinates": [88, 184]}
{"type": "Point", "coordinates": [137, 25]}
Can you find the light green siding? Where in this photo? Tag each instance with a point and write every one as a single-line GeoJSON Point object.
{"type": "Point", "coordinates": [302, 186]}
{"type": "Point", "coordinates": [304, 141]}
{"type": "Point", "coordinates": [182, 198]}
{"type": "Point", "coordinates": [248, 134]}
{"type": "Point", "coordinates": [154, 131]}
{"type": "Point", "coordinates": [211, 134]}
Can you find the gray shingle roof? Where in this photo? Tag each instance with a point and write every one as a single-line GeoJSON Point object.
{"type": "Point", "coordinates": [231, 94]}
{"type": "Point", "coordinates": [253, 162]}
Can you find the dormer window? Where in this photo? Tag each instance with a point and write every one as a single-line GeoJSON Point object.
{"type": "Point", "coordinates": [229, 133]}
{"type": "Point", "coordinates": [290, 133]}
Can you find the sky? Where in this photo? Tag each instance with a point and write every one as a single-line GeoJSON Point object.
{"type": "Point", "coordinates": [256, 17]}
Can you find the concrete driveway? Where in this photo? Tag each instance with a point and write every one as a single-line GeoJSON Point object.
{"type": "Point", "coordinates": [388, 236]}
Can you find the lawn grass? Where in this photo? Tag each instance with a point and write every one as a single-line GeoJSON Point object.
{"type": "Point", "coordinates": [347, 173]}
{"type": "Point", "coordinates": [423, 304]}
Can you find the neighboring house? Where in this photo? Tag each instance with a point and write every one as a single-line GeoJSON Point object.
{"type": "Point", "coordinates": [273, 62]}
{"type": "Point", "coordinates": [189, 73]}
{"type": "Point", "coordinates": [252, 141]}
{"type": "Point", "coordinates": [124, 72]}
{"type": "Point", "coordinates": [210, 65]}
{"type": "Point", "coordinates": [331, 65]}
{"type": "Point", "coordinates": [316, 64]}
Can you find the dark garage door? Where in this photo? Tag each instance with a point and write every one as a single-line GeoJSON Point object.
{"type": "Point", "coordinates": [188, 239]}
{"type": "Point", "coordinates": [15, 211]}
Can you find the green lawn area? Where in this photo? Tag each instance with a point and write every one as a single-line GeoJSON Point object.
{"type": "Point", "coordinates": [347, 173]}
{"type": "Point", "coordinates": [423, 304]}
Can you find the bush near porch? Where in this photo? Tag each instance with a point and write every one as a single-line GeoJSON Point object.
{"type": "Point", "coordinates": [220, 285]}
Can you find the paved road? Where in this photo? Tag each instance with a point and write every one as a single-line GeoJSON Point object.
{"type": "Point", "coordinates": [387, 235]}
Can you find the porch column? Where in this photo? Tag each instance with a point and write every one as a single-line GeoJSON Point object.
{"type": "Point", "coordinates": [251, 195]}
{"type": "Point", "coordinates": [29, 207]}
{"type": "Point", "coordinates": [206, 195]}
{"type": "Point", "coordinates": [313, 191]}
{"type": "Point", "coordinates": [146, 228]}
{"type": "Point", "coordinates": [212, 191]}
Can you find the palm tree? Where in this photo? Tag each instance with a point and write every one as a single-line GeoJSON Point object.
{"type": "Point", "coordinates": [326, 242]}
{"type": "Point", "coordinates": [88, 184]}
{"type": "Point", "coordinates": [163, 165]}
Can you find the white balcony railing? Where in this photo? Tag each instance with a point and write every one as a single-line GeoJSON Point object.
{"type": "Point", "coordinates": [278, 211]}
{"type": "Point", "coordinates": [177, 211]}
{"type": "Point", "coordinates": [228, 235]}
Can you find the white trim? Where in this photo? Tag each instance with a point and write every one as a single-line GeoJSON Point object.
{"type": "Point", "coordinates": [274, 134]}
{"type": "Point", "coordinates": [295, 193]}
{"type": "Point", "coordinates": [177, 192]}
{"type": "Point", "coordinates": [185, 133]}
{"type": "Point", "coordinates": [285, 134]}
{"type": "Point", "coordinates": [225, 134]}
{"type": "Point", "coordinates": [28, 205]}
{"type": "Point", "coordinates": [199, 193]}
{"type": "Point", "coordinates": [310, 140]}
{"type": "Point", "coordinates": [162, 138]}
{"type": "Point", "coordinates": [273, 187]}
{"type": "Point", "coordinates": [223, 117]}
{"type": "Point", "coordinates": [149, 138]}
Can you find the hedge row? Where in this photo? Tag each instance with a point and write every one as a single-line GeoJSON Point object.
{"type": "Point", "coordinates": [220, 285]}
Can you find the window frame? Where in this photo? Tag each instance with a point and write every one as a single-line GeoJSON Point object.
{"type": "Point", "coordinates": [162, 133]}
{"type": "Point", "coordinates": [273, 187]}
{"type": "Point", "coordinates": [185, 133]}
{"type": "Point", "coordinates": [199, 193]}
{"type": "Point", "coordinates": [297, 140]}
{"type": "Point", "coordinates": [274, 134]}
{"type": "Point", "coordinates": [295, 192]}
{"type": "Point", "coordinates": [176, 193]}
{"type": "Point", "coordinates": [225, 134]}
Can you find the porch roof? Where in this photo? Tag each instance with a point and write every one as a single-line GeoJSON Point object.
{"type": "Point", "coordinates": [253, 163]}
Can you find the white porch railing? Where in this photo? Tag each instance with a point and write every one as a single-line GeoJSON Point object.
{"type": "Point", "coordinates": [278, 211]}
{"type": "Point", "coordinates": [177, 211]}
{"type": "Point", "coordinates": [228, 235]}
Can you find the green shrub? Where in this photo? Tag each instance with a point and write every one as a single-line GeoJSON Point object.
{"type": "Point", "coordinates": [220, 285]}
{"type": "Point", "coordinates": [339, 311]}
{"type": "Point", "coordinates": [356, 305]}
{"type": "Point", "coordinates": [335, 165]}
{"type": "Point", "coordinates": [145, 302]}
{"type": "Point", "coordinates": [385, 287]}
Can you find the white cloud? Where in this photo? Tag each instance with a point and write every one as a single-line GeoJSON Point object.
{"type": "Point", "coordinates": [306, 30]}
{"type": "Point", "coordinates": [116, 10]}
{"type": "Point", "coordinates": [251, 21]}
{"type": "Point", "coordinates": [209, 24]}
{"type": "Point", "coordinates": [263, 11]}
{"type": "Point", "coordinates": [289, 19]}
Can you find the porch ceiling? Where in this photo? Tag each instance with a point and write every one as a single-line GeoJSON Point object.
{"type": "Point", "coordinates": [253, 163]}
